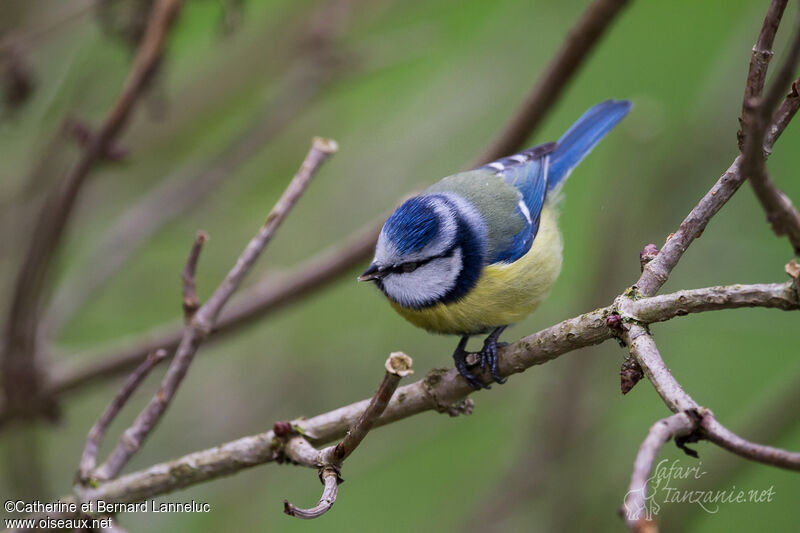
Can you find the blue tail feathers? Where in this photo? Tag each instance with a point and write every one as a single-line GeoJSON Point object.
{"type": "Point", "coordinates": [579, 140]}
{"type": "Point", "coordinates": [537, 172]}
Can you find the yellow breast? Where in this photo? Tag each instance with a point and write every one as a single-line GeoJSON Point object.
{"type": "Point", "coordinates": [504, 294]}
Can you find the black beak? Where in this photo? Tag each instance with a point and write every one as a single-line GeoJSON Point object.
{"type": "Point", "coordinates": [372, 273]}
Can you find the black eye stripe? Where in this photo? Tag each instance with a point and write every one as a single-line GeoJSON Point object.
{"type": "Point", "coordinates": [402, 268]}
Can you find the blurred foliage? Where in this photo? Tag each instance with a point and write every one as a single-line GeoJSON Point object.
{"type": "Point", "coordinates": [427, 86]}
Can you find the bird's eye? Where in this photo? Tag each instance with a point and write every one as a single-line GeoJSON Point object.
{"type": "Point", "coordinates": [409, 267]}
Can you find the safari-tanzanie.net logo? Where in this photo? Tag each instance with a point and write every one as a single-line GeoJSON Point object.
{"type": "Point", "coordinates": [672, 484]}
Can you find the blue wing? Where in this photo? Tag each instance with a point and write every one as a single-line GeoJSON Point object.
{"type": "Point", "coordinates": [527, 172]}
{"type": "Point", "coordinates": [538, 171]}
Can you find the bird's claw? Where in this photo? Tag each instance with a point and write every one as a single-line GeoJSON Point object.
{"type": "Point", "coordinates": [486, 360]}
{"type": "Point", "coordinates": [460, 359]}
{"type": "Point", "coordinates": [489, 359]}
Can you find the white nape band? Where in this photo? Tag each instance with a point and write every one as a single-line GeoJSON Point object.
{"type": "Point", "coordinates": [545, 170]}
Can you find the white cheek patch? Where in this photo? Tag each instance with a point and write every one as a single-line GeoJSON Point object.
{"type": "Point", "coordinates": [427, 284]}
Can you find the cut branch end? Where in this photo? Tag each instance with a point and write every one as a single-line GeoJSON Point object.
{"type": "Point", "coordinates": [399, 364]}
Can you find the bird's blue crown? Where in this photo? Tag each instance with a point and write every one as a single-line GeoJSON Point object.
{"type": "Point", "coordinates": [412, 226]}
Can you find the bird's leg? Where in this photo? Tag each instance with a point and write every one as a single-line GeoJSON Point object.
{"type": "Point", "coordinates": [460, 359]}
{"type": "Point", "coordinates": [489, 353]}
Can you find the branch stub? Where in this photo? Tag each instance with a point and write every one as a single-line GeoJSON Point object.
{"type": "Point", "coordinates": [399, 364]}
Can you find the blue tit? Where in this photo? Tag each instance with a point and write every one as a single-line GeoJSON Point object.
{"type": "Point", "coordinates": [480, 250]}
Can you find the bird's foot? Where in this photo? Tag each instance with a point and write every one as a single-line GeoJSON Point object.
{"type": "Point", "coordinates": [488, 355]}
{"type": "Point", "coordinates": [460, 359]}
{"type": "Point", "coordinates": [486, 359]}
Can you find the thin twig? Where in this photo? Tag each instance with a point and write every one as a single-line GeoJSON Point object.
{"type": "Point", "coordinates": [657, 271]}
{"type": "Point", "coordinates": [783, 216]}
{"type": "Point", "coordinates": [781, 213]}
{"type": "Point", "coordinates": [98, 431]}
{"type": "Point", "coordinates": [21, 378]}
{"type": "Point", "coordinates": [203, 321]}
{"type": "Point", "coordinates": [783, 116]}
{"type": "Point", "coordinates": [783, 79]}
{"type": "Point", "coordinates": [580, 42]}
{"type": "Point", "coordinates": [398, 366]}
{"type": "Point", "coordinates": [330, 478]}
{"type": "Point", "coordinates": [330, 460]}
{"type": "Point", "coordinates": [188, 283]}
{"type": "Point", "coordinates": [725, 438]}
{"type": "Point", "coordinates": [759, 61]}
{"type": "Point", "coordinates": [635, 508]}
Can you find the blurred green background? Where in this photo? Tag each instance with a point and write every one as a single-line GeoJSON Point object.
{"type": "Point", "coordinates": [417, 90]}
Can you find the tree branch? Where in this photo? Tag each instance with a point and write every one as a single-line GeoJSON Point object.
{"type": "Point", "coordinates": [725, 438]}
{"type": "Point", "coordinates": [21, 378]}
{"type": "Point", "coordinates": [203, 321]}
{"type": "Point", "coordinates": [756, 111]}
{"type": "Point", "coordinates": [667, 306]}
{"type": "Point", "coordinates": [329, 460]}
{"type": "Point", "coordinates": [439, 390]}
{"type": "Point", "coordinates": [783, 116]}
{"type": "Point", "coordinates": [657, 271]}
{"type": "Point", "coordinates": [643, 348]}
{"type": "Point", "coordinates": [759, 61]}
{"type": "Point", "coordinates": [398, 366]}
